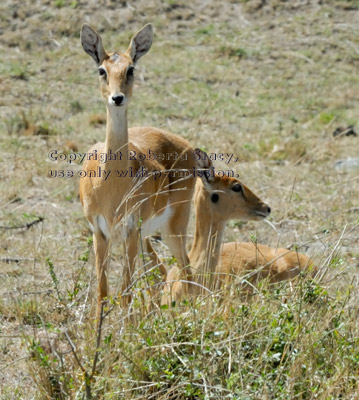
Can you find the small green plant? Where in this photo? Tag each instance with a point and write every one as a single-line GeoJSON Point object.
{"type": "Point", "coordinates": [206, 30]}
{"type": "Point", "coordinates": [53, 276]}
{"type": "Point", "coordinates": [326, 117]}
{"type": "Point", "coordinates": [171, 261]}
{"type": "Point", "coordinates": [19, 71]}
{"type": "Point", "coordinates": [49, 371]}
{"type": "Point", "coordinates": [76, 107]}
{"type": "Point", "coordinates": [28, 312]}
{"type": "Point", "coordinates": [234, 52]}
{"type": "Point", "coordinates": [59, 3]}
{"type": "Point", "coordinates": [85, 255]}
{"type": "Point", "coordinates": [249, 147]}
{"type": "Point", "coordinates": [253, 238]}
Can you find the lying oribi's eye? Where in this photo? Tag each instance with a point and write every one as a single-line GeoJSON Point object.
{"type": "Point", "coordinates": [237, 188]}
{"type": "Point", "coordinates": [214, 198]}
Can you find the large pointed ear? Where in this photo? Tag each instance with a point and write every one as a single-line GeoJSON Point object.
{"type": "Point", "coordinates": [141, 43]}
{"type": "Point", "coordinates": [204, 165]}
{"type": "Point", "coordinates": [92, 43]}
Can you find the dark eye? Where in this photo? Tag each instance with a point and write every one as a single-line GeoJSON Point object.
{"type": "Point", "coordinates": [237, 188]}
{"type": "Point", "coordinates": [214, 198]}
{"type": "Point", "coordinates": [102, 72]}
{"type": "Point", "coordinates": [130, 71]}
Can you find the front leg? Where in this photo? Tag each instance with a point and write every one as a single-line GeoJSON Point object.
{"type": "Point", "coordinates": [131, 249]}
{"type": "Point", "coordinates": [101, 248]}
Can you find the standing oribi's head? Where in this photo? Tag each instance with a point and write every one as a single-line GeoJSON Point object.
{"type": "Point", "coordinates": [116, 70]}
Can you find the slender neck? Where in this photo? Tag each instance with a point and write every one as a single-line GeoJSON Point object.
{"type": "Point", "coordinates": [117, 131]}
{"type": "Point", "coordinates": [208, 237]}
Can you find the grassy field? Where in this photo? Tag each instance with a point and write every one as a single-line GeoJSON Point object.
{"type": "Point", "coordinates": [267, 80]}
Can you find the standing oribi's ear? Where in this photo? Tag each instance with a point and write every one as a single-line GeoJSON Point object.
{"type": "Point", "coordinates": [205, 164]}
{"type": "Point", "coordinates": [140, 43]}
{"type": "Point", "coordinates": [92, 44]}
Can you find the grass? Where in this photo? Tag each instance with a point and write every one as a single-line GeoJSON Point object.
{"type": "Point", "coordinates": [268, 82]}
{"type": "Point", "coordinates": [213, 349]}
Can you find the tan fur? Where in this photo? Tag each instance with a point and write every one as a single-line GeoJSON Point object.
{"type": "Point", "coordinates": [129, 200]}
{"type": "Point", "coordinates": [260, 262]}
{"type": "Point", "coordinates": [210, 223]}
{"type": "Point", "coordinates": [210, 259]}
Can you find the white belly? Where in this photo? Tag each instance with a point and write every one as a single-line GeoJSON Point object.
{"type": "Point", "coordinates": [154, 223]}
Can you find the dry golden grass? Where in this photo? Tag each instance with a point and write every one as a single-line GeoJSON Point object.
{"type": "Point", "coordinates": [268, 82]}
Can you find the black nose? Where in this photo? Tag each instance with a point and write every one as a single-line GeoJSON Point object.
{"type": "Point", "coordinates": [118, 99]}
{"type": "Point", "coordinates": [268, 210]}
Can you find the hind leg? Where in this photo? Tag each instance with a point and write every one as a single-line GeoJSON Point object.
{"type": "Point", "coordinates": [174, 234]}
